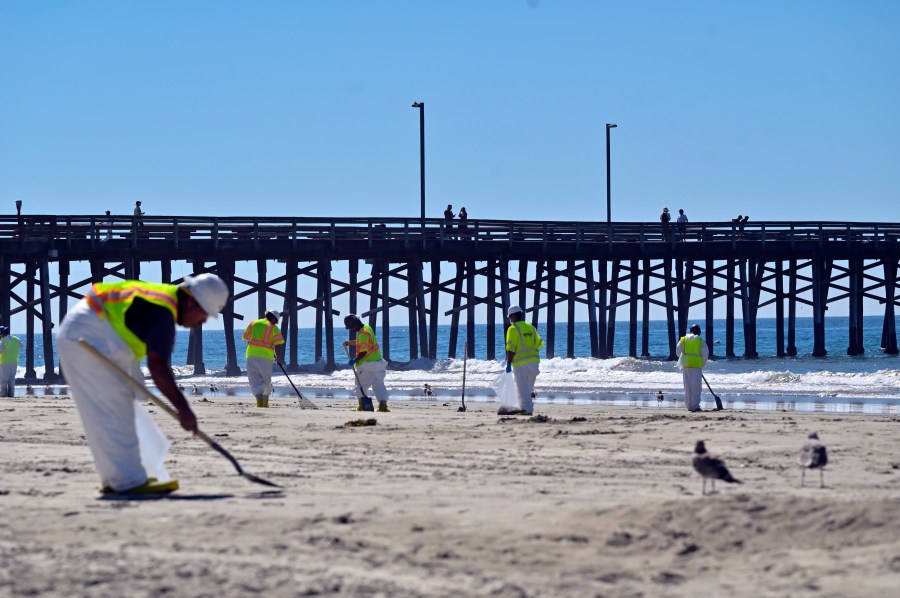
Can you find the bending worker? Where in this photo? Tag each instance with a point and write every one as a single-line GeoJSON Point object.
{"type": "Point", "coordinates": [523, 344]}
{"type": "Point", "coordinates": [264, 343]}
{"type": "Point", "coordinates": [370, 367]}
{"type": "Point", "coordinates": [692, 355]}
{"type": "Point", "coordinates": [9, 362]}
{"type": "Point", "coordinates": [127, 321]}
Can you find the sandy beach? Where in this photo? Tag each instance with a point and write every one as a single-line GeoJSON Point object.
{"type": "Point", "coordinates": [582, 501]}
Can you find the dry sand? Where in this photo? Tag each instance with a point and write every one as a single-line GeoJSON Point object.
{"type": "Point", "coordinates": [597, 501]}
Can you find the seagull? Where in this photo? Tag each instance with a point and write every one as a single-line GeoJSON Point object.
{"type": "Point", "coordinates": [428, 391]}
{"type": "Point", "coordinates": [813, 456]}
{"type": "Point", "coordinates": [196, 391]}
{"type": "Point", "coordinates": [214, 389]}
{"type": "Point", "coordinates": [712, 467]}
{"type": "Point", "coordinates": [659, 398]}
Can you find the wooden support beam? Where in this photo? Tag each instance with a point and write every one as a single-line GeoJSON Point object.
{"type": "Point", "coordinates": [225, 268]}
{"type": "Point", "coordinates": [454, 317]}
{"type": "Point", "coordinates": [791, 349]}
{"type": "Point", "coordinates": [420, 306]}
{"type": "Point", "coordinates": [819, 299]}
{"type": "Point", "coordinates": [603, 349]}
{"type": "Point", "coordinates": [613, 298]}
{"type": "Point", "coordinates": [30, 268]}
{"type": "Point", "coordinates": [633, 277]}
{"type": "Point", "coordinates": [47, 324]}
{"type": "Point", "coordinates": [386, 312]}
{"type": "Point", "coordinates": [592, 307]}
{"type": "Point", "coordinates": [779, 308]}
{"type": "Point", "coordinates": [291, 314]}
{"type": "Point", "coordinates": [327, 309]}
{"type": "Point", "coordinates": [729, 309]}
{"type": "Point", "coordinates": [710, 333]}
{"type": "Point", "coordinates": [412, 313]}
{"type": "Point", "coordinates": [435, 308]}
{"type": "Point", "coordinates": [551, 310]}
{"type": "Point", "coordinates": [889, 333]}
{"type": "Point", "coordinates": [670, 309]}
{"type": "Point", "coordinates": [570, 321]}
{"type": "Point", "coordinates": [645, 314]}
{"type": "Point", "coordinates": [470, 308]}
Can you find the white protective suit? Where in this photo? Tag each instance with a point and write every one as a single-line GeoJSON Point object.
{"type": "Point", "coordinates": [259, 374]}
{"type": "Point", "coordinates": [525, 375]}
{"type": "Point", "coordinates": [692, 378]}
{"type": "Point", "coordinates": [371, 375]}
{"type": "Point", "coordinates": [126, 444]}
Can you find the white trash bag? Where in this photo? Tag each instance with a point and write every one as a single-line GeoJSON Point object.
{"type": "Point", "coordinates": [507, 394]}
{"type": "Point", "coordinates": [153, 444]}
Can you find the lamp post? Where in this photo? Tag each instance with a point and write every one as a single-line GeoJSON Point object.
{"type": "Point", "coordinates": [608, 195]}
{"type": "Point", "coordinates": [421, 107]}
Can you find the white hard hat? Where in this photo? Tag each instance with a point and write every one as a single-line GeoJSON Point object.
{"type": "Point", "coordinates": [513, 309]}
{"type": "Point", "coordinates": [209, 291]}
{"type": "Point", "coordinates": [274, 312]}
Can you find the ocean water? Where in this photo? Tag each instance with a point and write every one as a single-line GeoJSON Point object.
{"type": "Point", "coordinates": [867, 383]}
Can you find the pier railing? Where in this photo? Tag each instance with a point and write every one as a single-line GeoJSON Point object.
{"type": "Point", "coordinates": [176, 230]}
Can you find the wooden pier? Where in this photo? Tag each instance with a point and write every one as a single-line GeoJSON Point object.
{"type": "Point", "coordinates": [399, 264]}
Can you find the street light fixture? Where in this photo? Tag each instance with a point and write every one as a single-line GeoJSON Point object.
{"type": "Point", "coordinates": [608, 195]}
{"type": "Point", "coordinates": [421, 107]}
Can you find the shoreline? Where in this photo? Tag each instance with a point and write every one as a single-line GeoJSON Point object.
{"type": "Point", "coordinates": [744, 402]}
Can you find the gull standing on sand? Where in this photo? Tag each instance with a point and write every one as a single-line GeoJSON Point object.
{"type": "Point", "coordinates": [813, 456]}
{"type": "Point", "coordinates": [712, 467]}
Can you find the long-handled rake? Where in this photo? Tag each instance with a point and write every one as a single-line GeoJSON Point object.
{"type": "Point", "coordinates": [165, 407]}
{"type": "Point", "coordinates": [356, 375]}
{"type": "Point", "coordinates": [715, 396]}
{"type": "Point", "coordinates": [303, 402]}
{"type": "Point", "coordinates": [465, 357]}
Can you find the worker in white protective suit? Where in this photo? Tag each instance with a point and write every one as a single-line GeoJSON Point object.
{"type": "Point", "coordinates": [126, 321]}
{"type": "Point", "coordinates": [368, 363]}
{"type": "Point", "coordinates": [692, 355]}
{"type": "Point", "coordinates": [523, 346]}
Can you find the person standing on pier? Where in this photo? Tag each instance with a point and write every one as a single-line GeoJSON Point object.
{"type": "Point", "coordinates": [127, 321]}
{"type": "Point", "coordinates": [370, 367]}
{"type": "Point", "coordinates": [523, 345]}
{"type": "Point", "coordinates": [692, 355]}
{"type": "Point", "coordinates": [664, 220]}
{"type": "Point", "coordinates": [264, 344]}
{"type": "Point", "coordinates": [463, 223]}
{"type": "Point", "coordinates": [138, 215]}
{"type": "Point", "coordinates": [9, 362]}
{"type": "Point", "coordinates": [682, 225]}
{"type": "Point", "coordinates": [109, 226]}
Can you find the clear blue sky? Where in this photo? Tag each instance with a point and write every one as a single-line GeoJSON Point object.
{"type": "Point", "coordinates": [783, 110]}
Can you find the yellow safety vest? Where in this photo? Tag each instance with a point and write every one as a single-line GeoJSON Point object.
{"type": "Point", "coordinates": [365, 341]}
{"type": "Point", "coordinates": [262, 336]}
{"type": "Point", "coordinates": [523, 339]}
{"type": "Point", "coordinates": [691, 357]}
{"type": "Point", "coordinates": [111, 300]}
{"type": "Point", "coordinates": [10, 353]}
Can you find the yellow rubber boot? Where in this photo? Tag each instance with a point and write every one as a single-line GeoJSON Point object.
{"type": "Point", "coordinates": [265, 401]}
{"type": "Point", "coordinates": [365, 404]}
{"type": "Point", "coordinates": [382, 407]}
{"type": "Point", "coordinates": [260, 401]}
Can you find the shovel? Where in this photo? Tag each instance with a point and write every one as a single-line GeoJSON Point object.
{"type": "Point", "coordinates": [165, 407]}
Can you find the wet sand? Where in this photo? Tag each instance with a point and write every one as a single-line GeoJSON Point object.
{"type": "Point", "coordinates": [591, 501]}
